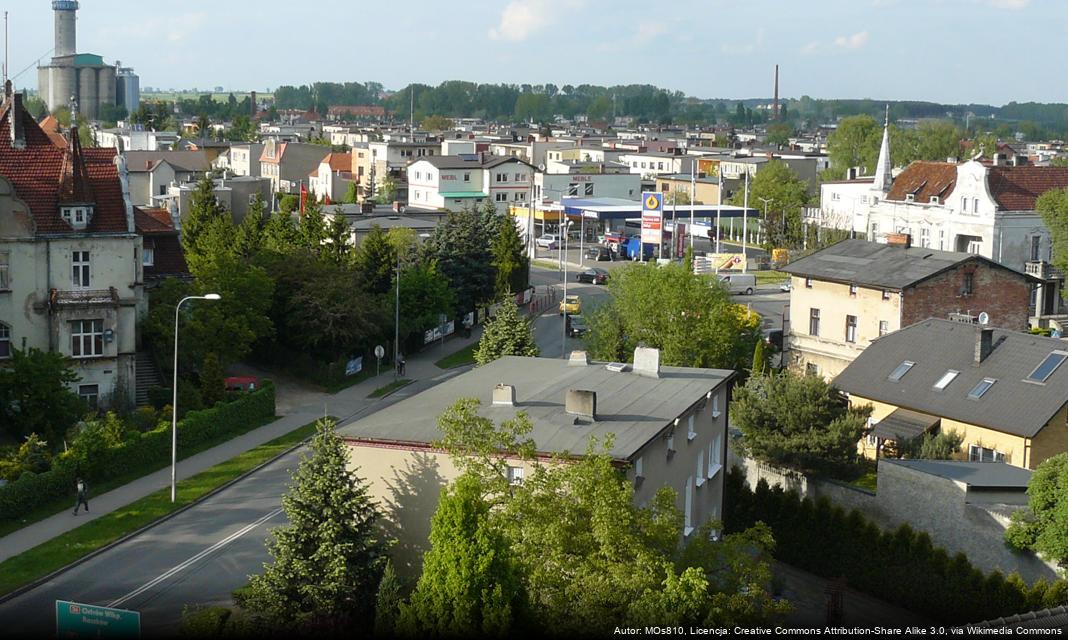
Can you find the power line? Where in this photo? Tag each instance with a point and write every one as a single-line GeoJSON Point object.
{"type": "Point", "coordinates": [30, 66]}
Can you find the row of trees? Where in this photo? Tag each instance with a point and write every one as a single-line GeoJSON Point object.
{"type": "Point", "coordinates": [294, 286]}
{"type": "Point", "coordinates": [564, 552]}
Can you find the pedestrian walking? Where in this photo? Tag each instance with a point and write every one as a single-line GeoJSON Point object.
{"type": "Point", "coordinates": [400, 364]}
{"type": "Point", "coordinates": [83, 495]}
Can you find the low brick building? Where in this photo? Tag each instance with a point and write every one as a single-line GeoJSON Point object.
{"type": "Point", "coordinates": [853, 292]}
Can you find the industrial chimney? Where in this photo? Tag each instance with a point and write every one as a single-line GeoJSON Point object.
{"type": "Point", "coordinates": [66, 33]}
{"type": "Point", "coordinates": [775, 105]}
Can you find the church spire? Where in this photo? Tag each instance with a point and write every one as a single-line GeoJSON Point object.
{"type": "Point", "coordinates": [883, 175]}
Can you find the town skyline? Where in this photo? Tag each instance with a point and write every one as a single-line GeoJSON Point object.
{"type": "Point", "coordinates": [858, 55]}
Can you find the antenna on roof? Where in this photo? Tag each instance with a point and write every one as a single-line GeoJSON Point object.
{"type": "Point", "coordinates": [984, 318]}
{"type": "Point", "coordinates": [6, 59]}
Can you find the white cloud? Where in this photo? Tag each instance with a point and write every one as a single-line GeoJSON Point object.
{"type": "Point", "coordinates": [521, 18]}
{"type": "Point", "coordinates": [855, 41]}
{"type": "Point", "coordinates": [810, 48]}
{"type": "Point", "coordinates": [1009, 4]}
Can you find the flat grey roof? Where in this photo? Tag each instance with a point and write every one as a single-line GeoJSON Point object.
{"type": "Point", "coordinates": [634, 408]}
{"type": "Point", "coordinates": [989, 475]}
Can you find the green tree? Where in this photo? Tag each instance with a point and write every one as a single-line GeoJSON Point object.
{"type": "Point", "coordinates": [312, 228]}
{"type": "Point", "coordinates": [248, 237]}
{"type": "Point", "coordinates": [375, 261]}
{"type": "Point", "coordinates": [387, 190]}
{"type": "Point", "coordinates": [1053, 207]}
{"type": "Point", "coordinates": [506, 334]}
{"type": "Point", "coordinates": [405, 244]}
{"type": "Point", "coordinates": [280, 235]}
{"type": "Point", "coordinates": [436, 123]}
{"type": "Point", "coordinates": [854, 143]}
{"type": "Point", "coordinates": [760, 360]}
{"type": "Point", "coordinates": [944, 445]}
{"type": "Point", "coordinates": [35, 395]}
{"type": "Point", "coordinates": [425, 295]}
{"type": "Point", "coordinates": [459, 244]}
{"type": "Point", "coordinates": [470, 585]}
{"type": "Point", "coordinates": [779, 133]}
{"type": "Point", "coordinates": [797, 421]}
{"type": "Point", "coordinates": [388, 602]}
{"type": "Point", "coordinates": [338, 246]}
{"type": "Point", "coordinates": [204, 212]}
{"type": "Point", "coordinates": [533, 107]}
{"type": "Point", "coordinates": [212, 387]}
{"type": "Point", "coordinates": [352, 194]}
{"type": "Point", "coordinates": [328, 561]}
{"type": "Point", "coordinates": [509, 260]}
{"type": "Point", "coordinates": [786, 193]}
{"type": "Point", "coordinates": [932, 141]}
{"type": "Point", "coordinates": [687, 317]}
{"type": "Point", "coordinates": [1043, 527]}
{"type": "Point", "coordinates": [289, 203]}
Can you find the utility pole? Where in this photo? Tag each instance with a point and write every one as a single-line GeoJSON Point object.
{"type": "Point", "coordinates": [745, 224]}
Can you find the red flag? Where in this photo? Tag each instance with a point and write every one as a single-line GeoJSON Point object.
{"type": "Point", "coordinates": [303, 197]}
{"type": "Point", "coordinates": [326, 199]}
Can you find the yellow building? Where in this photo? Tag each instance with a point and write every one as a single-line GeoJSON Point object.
{"type": "Point", "coordinates": [1004, 391]}
{"type": "Point", "coordinates": [701, 190]}
{"type": "Point", "coordinates": [668, 428]}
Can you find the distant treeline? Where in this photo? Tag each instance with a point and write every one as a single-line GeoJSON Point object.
{"type": "Point", "coordinates": [648, 105]}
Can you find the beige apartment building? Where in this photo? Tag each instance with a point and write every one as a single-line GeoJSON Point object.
{"type": "Point", "coordinates": [668, 428]}
{"type": "Point", "coordinates": [848, 295]}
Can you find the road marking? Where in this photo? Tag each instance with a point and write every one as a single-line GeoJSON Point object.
{"type": "Point", "coordinates": [218, 545]}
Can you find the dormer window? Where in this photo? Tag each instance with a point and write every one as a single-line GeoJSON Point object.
{"type": "Point", "coordinates": [77, 216]}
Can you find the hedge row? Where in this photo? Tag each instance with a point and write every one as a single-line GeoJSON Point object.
{"type": "Point", "coordinates": [901, 567]}
{"type": "Point", "coordinates": [143, 452]}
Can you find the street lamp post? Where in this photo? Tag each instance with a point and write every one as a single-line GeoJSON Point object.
{"type": "Point", "coordinates": [174, 399]}
{"type": "Point", "coordinates": [764, 224]}
{"type": "Point", "coordinates": [396, 325]}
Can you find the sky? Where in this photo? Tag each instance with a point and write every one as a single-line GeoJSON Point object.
{"type": "Point", "coordinates": [949, 51]}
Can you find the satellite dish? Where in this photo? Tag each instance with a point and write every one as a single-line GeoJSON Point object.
{"type": "Point", "coordinates": [984, 318]}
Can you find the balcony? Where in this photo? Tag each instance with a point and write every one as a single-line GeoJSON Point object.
{"type": "Point", "coordinates": [1043, 270]}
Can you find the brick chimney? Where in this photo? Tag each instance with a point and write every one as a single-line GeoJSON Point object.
{"type": "Point", "coordinates": [18, 133]}
{"type": "Point", "coordinates": [984, 344]}
{"type": "Point", "coordinates": [899, 240]}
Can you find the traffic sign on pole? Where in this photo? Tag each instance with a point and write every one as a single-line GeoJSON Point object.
{"type": "Point", "coordinates": [76, 620]}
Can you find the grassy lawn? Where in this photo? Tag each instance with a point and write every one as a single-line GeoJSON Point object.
{"type": "Point", "coordinates": [62, 550]}
{"type": "Point", "coordinates": [60, 505]}
{"type": "Point", "coordinates": [546, 264]}
{"type": "Point", "coordinates": [390, 388]}
{"type": "Point", "coordinates": [866, 481]}
{"type": "Point", "coordinates": [766, 277]}
{"type": "Point", "coordinates": [459, 358]}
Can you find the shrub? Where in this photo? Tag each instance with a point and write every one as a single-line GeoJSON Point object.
{"type": "Point", "coordinates": [144, 419]}
{"type": "Point", "coordinates": [90, 457]}
{"type": "Point", "coordinates": [902, 567]}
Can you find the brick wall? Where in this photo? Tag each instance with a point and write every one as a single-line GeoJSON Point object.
{"type": "Point", "coordinates": [1003, 294]}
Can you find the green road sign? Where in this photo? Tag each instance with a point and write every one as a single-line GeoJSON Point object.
{"type": "Point", "coordinates": [75, 620]}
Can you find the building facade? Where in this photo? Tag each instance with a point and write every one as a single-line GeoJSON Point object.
{"type": "Point", "coordinates": [457, 182]}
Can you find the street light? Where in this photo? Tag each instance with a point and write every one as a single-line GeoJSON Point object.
{"type": "Point", "coordinates": [764, 226]}
{"type": "Point", "coordinates": [174, 400]}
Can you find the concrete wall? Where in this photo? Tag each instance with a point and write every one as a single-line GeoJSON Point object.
{"type": "Point", "coordinates": [926, 503]}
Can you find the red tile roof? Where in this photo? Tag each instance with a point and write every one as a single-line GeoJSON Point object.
{"type": "Point", "coordinates": [51, 126]}
{"type": "Point", "coordinates": [924, 180]}
{"type": "Point", "coordinates": [1017, 188]}
{"type": "Point", "coordinates": [339, 161]}
{"type": "Point", "coordinates": [152, 221]}
{"type": "Point", "coordinates": [37, 174]}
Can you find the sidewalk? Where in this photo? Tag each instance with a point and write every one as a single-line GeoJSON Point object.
{"type": "Point", "coordinates": [305, 406]}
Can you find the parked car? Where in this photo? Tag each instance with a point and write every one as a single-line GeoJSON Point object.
{"type": "Point", "coordinates": [593, 276]}
{"type": "Point", "coordinates": [739, 283]}
{"type": "Point", "coordinates": [774, 338]}
{"type": "Point", "coordinates": [576, 326]}
{"type": "Point", "coordinates": [571, 305]}
{"type": "Point", "coordinates": [600, 253]}
{"type": "Point", "coordinates": [786, 286]}
{"type": "Point", "coordinates": [241, 383]}
{"type": "Point", "coordinates": [633, 246]}
{"type": "Point", "coordinates": [614, 239]}
{"type": "Point", "coordinates": [547, 241]}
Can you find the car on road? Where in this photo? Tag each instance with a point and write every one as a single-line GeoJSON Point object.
{"type": "Point", "coordinates": [576, 326]}
{"type": "Point", "coordinates": [547, 241]}
{"type": "Point", "coordinates": [600, 253]}
{"type": "Point", "coordinates": [787, 285]}
{"type": "Point", "coordinates": [571, 305]}
{"type": "Point", "coordinates": [736, 283]}
{"type": "Point", "coordinates": [593, 276]}
{"type": "Point", "coordinates": [774, 338]}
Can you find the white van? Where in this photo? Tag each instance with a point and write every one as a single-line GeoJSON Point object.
{"type": "Point", "coordinates": [739, 282]}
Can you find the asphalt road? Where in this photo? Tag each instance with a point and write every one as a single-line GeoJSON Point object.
{"type": "Point", "coordinates": [196, 558]}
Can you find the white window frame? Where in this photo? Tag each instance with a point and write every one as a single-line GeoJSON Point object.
{"type": "Point", "coordinates": [87, 332]}
{"type": "Point", "coordinates": [500, 196]}
{"type": "Point", "coordinates": [639, 470]}
{"type": "Point", "coordinates": [81, 274]}
{"type": "Point", "coordinates": [976, 453]}
{"type": "Point", "coordinates": [148, 257]}
{"type": "Point", "coordinates": [715, 405]}
{"type": "Point", "coordinates": [851, 329]}
{"type": "Point", "coordinates": [688, 513]}
{"type": "Point", "coordinates": [701, 468]}
{"type": "Point", "coordinates": [87, 391]}
{"type": "Point", "coordinates": [690, 432]}
{"type": "Point", "coordinates": [5, 341]}
{"type": "Point", "coordinates": [515, 475]}
{"type": "Point", "coordinates": [5, 270]}
{"type": "Point", "coordinates": [467, 176]}
{"type": "Point", "coordinates": [884, 327]}
{"type": "Point", "coordinates": [715, 454]}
